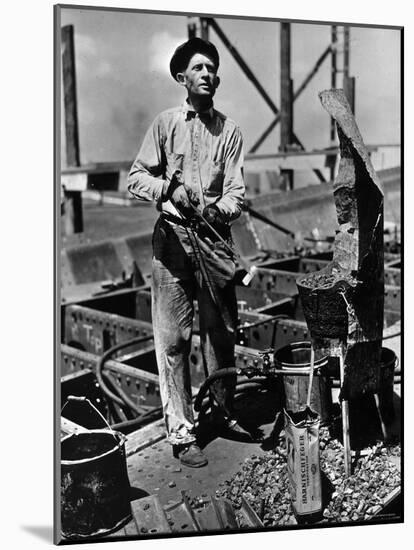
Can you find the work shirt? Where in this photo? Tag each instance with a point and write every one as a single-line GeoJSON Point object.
{"type": "Point", "coordinates": [206, 147]}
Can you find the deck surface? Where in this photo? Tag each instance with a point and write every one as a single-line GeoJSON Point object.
{"type": "Point", "coordinates": [153, 470]}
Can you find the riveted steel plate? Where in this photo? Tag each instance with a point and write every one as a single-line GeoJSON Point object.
{"type": "Point", "coordinates": [149, 516]}
{"type": "Point", "coordinates": [97, 331]}
{"type": "Point", "coordinates": [140, 385]}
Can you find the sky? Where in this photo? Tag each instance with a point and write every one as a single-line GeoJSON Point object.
{"type": "Point", "coordinates": [123, 80]}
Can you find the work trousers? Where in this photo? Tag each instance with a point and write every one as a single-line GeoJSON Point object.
{"type": "Point", "coordinates": [176, 282]}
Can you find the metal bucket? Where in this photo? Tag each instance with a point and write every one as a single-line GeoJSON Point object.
{"type": "Point", "coordinates": [95, 490]}
{"type": "Point", "coordinates": [295, 358]}
{"type": "Point", "coordinates": [323, 306]}
{"type": "Point", "coordinates": [364, 420]}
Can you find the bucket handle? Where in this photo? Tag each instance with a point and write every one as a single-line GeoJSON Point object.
{"type": "Point", "coordinates": [83, 399]}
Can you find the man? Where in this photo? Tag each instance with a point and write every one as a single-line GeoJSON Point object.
{"type": "Point", "coordinates": [190, 163]}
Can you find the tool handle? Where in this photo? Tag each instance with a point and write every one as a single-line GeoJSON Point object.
{"type": "Point", "coordinates": [247, 279]}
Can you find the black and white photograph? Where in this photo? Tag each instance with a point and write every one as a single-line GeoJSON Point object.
{"type": "Point", "coordinates": [229, 285]}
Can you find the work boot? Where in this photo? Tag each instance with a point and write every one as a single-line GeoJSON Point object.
{"type": "Point", "coordinates": [190, 455]}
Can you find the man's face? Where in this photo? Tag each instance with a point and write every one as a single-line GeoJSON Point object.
{"type": "Point", "coordinates": [200, 76]}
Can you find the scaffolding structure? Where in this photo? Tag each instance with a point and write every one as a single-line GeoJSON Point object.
{"type": "Point", "coordinates": [339, 51]}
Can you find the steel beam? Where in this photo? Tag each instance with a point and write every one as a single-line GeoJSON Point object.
{"type": "Point", "coordinates": [346, 50]}
{"type": "Point", "coordinates": [392, 298]}
{"type": "Point", "coordinates": [69, 97]}
{"type": "Point", "coordinates": [331, 160]}
{"type": "Point", "coordinates": [137, 383]}
{"type": "Point", "coordinates": [348, 81]}
{"type": "Point", "coordinates": [143, 386]}
{"type": "Point", "coordinates": [198, 27]}
{"type": "Point", "coordinates": [256, 83]}
{"type": "Point", "coordinates": [334, 49]}
{"type": "Point", "coordinates": [243, 65]}
{"type": "Point", "coordinates": [286, 100]}
{"type": "Point", "coordinates": [73, 199]}
{"type": "Point", "coordinates": [349, 89]}
{"type": "Point", "coordinates": [296, 94]}
{"type": "Point", "coordinates": [191, 27]}
{"type": "Point", "coordinates": [284, 281]}
{"type": "Point", "coordinates": [204, 28]}
{"type": "Point", "coordinates": [273, 334]}
{"type": "Point", "coordinates": [392, 276]}
{"type": "Point", "coordinates": [96, 331]}
{"type": "Point", "coordinates": [272, 292]}
{"type": "Point", "coordinates": [275, 281]}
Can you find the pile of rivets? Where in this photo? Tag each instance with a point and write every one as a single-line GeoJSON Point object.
{"type": "Point", "coordinates": [263, 481]}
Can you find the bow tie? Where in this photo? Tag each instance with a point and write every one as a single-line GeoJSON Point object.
{"type": "Point", "coordinates": [205, 116]}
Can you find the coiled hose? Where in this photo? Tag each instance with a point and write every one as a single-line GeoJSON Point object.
{"type": "Point", "coordinates": [222, 373]}
{"type": "Point", "coordinates": [201, 401]}
{"type": "Point", "coordinates": [122, 398]}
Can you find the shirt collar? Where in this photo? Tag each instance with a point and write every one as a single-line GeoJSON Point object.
{"type": "Point", "coordinates": [190, 112]}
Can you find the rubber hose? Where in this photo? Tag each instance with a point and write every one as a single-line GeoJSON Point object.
{"type": "Point", "coordinates": [206, 404]}
{"type": "Point", "coordinates": [241, 390]}
{"type": "Point", "coordinates": [111, 404]}
{"type": "Point", "coordinates": [249, 386]}
{"type": "Point", "coordinates": [206, 384]}
{"type": "Point", "coordinates": [105, 357]}
{"type": "Point", "coordinates": [126, 400]}
{"type": "Point", "coordinates": [122, 395]}
{"type": "Point", "coordinates": [258, 379]}
{"type": "Point", "coordinates": [221, 373]}
{"type": "Point", "coordinates": [157, 412]}
{"type": "Point", "coordinates": [137, 422]}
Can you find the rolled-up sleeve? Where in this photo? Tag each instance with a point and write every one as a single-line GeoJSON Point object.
{"type": "Point", "coordinates": [230, 203]}
{"type": "Point", "coordinates": [145, 179]}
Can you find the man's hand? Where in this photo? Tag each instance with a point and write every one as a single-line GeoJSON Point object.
{"type": "Point", "coordinates": [180, 200]}
{"type": "Point", "coordinates": [213, 216]}
{"type": "Point", "coordinates": [178, 195]}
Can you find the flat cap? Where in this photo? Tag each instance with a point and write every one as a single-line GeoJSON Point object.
{"type": "Point", "coordinates": [185, 52]}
